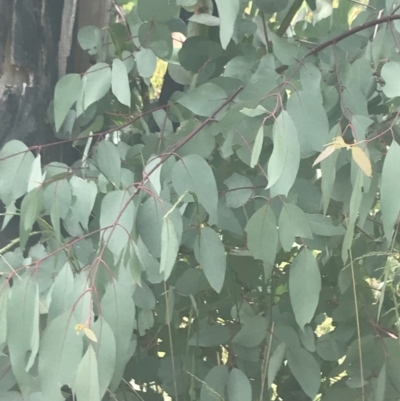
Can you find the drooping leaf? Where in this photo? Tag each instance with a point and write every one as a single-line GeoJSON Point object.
{"type": "Point", "coordinates": [119, 312]}
{"type": "Point", "coordinates": [361, 158]}
{"type": "Point", "coordinates": [192, 173]}
{"type": "Point", "coordinates": [390, 189]}
{"type": "Point", "coordinates": [214, 384]}
{"type": "Point", "coordinates": [109, 162]}
{"type": "Point", "coordinates": [4, 294]}
{"type": "Point", "coordinates": [86, 384]}
{"type": "Point", "coordinates": [324, 154]}
{"type": "Point", "coordinates": [322, 225]}
{"type": "Point", "coordinates": [228, 11]}
{"type": "Point", "coordinates": [97, 83]}
{"type": "Point", "coordinates": [59, 357]}
{"type": "Point", "coordinates": [210, 253]}
{"type": "Point", "coordinates": [120, 82]}
{"type": "Point", "coordinates": [305, 369]}
{"type": "Point", "coordinates": [262, 234]}
{"type": "Point", "coordinates": [285, 159]}
{"type": "Point", "coordinates": [304, 286]}
{"type": "Point", "coordinates": [238, 386]}
{"type": "Point", "coordinates": [66, 93]}
{"type": "Point", "coordinates": [275, 362]}
{"type": "Point", "coordinates": [257, 147]}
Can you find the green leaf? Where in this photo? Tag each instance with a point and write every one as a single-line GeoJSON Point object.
{"type": "Point", "coordinates": [228, 11]}
{"type": "Point", "coordinates": [109, 162]}
{"type": "Point", "coordinates": [66, 93]}
{"type": "Point", "coordinates": [146, 62]}
{"type": "Point", "coordinates": [117, 218]}
{"type": "Point", "coordinates": [390, 189]}
{"type": "Point", "coordinates": [192, 173]}
{"type": "Point", "coordinates": [285, 159]}
{"type": "Point", "coordinates": [312, 4]}
{"type": "Point", "coordinates": [390, 73]}
{"type": "Point", "coordinates": [23, 329]}
{"type": "Point", "coordinates": [15, 168]}
{"type": "Point", "coordinates": [120, 82]}
{"type": "Point", "coordinates": [171, 235]}
{"type": "Point", "coordinates": [204, 100]}
{"type": "Point", "coordinates": [239, 387]}
{"type": "Point", "coordinates": [214, 384]}
{"type": "Point", "coordinates": [262, 234]}
{"type": "Point", "coordinates": [240, 190]}
{"type": "Point", "coordinates": [305, 369]}
{"type": "Point", "coordinates": [322, 225]}
{"type": "Point", "coordinates": [4, 295]}
{"type": "Point", "coordinates": [89, 38]}
{"type": "Point", "coordinates": [145, 321]}
{"type": "Point", "coordinates": [304, 287]}
{"type": "Point", "coordinates": [210, 336]}
{"type": "Point", "coordinates": [381, 385]}
{"type": "Point", "coordinates": [210, 253]}
{"type": "Point", "coordinates": [119, 312]}
{"type": "Point", "coordinates": [97, 83]}
{"type": "Point", "coordinates": [86, 384]}
{"type": "Point", "coordinates": [157, 10]}
{"type": "Point", "coordinates": [252, 333]}
{"type": "Point", "coordinates": [257, 147]}
{"type": "Point", "coordinates": [292, 223]}
{"type": "Point", "coordinates": [275, 362]}
{"type": "Point", "coordinates": [328, 175]}
{"type": "Point", "coordinates": [59, 357]}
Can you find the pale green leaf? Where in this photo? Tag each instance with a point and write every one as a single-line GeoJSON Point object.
{"type": "Point", "coordinates": [238, 386]}
{"type": "Point", "coordinates": [4, 294]}
{"type": "Point", "coordinates": [262, 234]}
{"type": "Point", "coordinates": [305, 369]}
{"type": "Point", "coordinates": [66, 93]}
{"type": "Point", "coordinates": [275, 362]}
{"type": "Point", "coordinates": [118, 311]}
{"type": "Point", "coordinates": [109, 161]}
{"type": "Point", "coordinates": [36, 178]}
{"type": "Point", "coordinates": [59, 357]}
{"type": "Point", "coordinates": [328, 175]}
{"type": "Point", "coordinates": [120, 82]}
{"type": "Point", "coordinates": [214, 384]}
{"type": "Point", "coordinates": [390, 189]}
{"type": "Point", "coordinates": [86, 385]}
{"type": "Point", "coordinates": [285, 159]}
{"type": "Point", "coordinates": [228, 11]}
{"type": "Point", "coordinates": [193, 173]}
{"type": "Point", "coordinates": [240, 190]}
{"type": "Point", "coordinates": [257, 147]}
{"type": "Point", "coordinates": [210, 253]}
{"type": "Point", "coordinates": [146, 62]}
{"type": "Point", "coordinates": [97, 83]}
{"type": "Point", "coordinates": [89, 38]}
{"type": "Point", "coordinates": [390, 73]}
{"type": "Point", "coordinates": [304, 286]}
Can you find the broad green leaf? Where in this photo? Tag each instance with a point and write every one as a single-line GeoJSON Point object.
{"type": "Point", "coordinates": [204, 100]}
{"type": "Point", "coordinates": [228, 11]}
{"type": "Point", "coordinates": [23, 329]}
{"type": "Point", "coordinates": [210, 336]}
{"type": "Point", "coordinates": [89, 38]}
{"type": "Point", "coordinates": [214, 384]}
{"type": "Point", "coordinates": [257, 147]}
{"type": "Point", "coordinates": [305, 369]}
{"type": "Point", "coordinates": [322, 225]}
{"type": "Point", "coordinates": [157, 10]}
{"type": "Point", "coordinates": [171, 234]}
{"type": "Point", "coordinates": [304, 286]}
{"type": "Point", "coordinates": [143, 296]}
{"type": "Point", "coordinates": [210, 253]}
{"type": "Point", "coordinates": [4, 295]}
{"type": "Point", "coordinates": [390, 73]}
{"type": "Point", "coordinates": [285, 159]}
{"type": "Point", "coordinates": [66, 93]}
{"type": "Point", "coordinates": [390, 189]}
{"type": "Point", "coordinates": [36, 178]}
{"type": "Point", "coordinates": [97, 83]}
{"type": "Point", "coordinates": [262, 234]}
{"type": "Point", "coordinates": [381, 385]}
{"type": "Point", "coordinates": [59, 356]}
{"type": "Point", "coordinates": [118, 311]}
{"type": "Point", "coordinates": [108, 162]}
{"type": "Point", "coordinates": [240, 190]}
{"type": "Point", "coordinates": [292, 223]}
{"type": "Point", "coordinates": [146, 62]}
{"type": "Point", "coordinates": [154, 167]}
{"type": "Point", "coordinates": [117, 218]}
{"type": "Point", "coordinates": [193, 173]}
{"type": "Point", "coordinates": [145, 321]}
{"type": "Point", "coordinates": [355, 202]}
{"type": "Point", "coordinates": [252, 333]}
{"type": "Point", "coordinates": [86, 384]}
{"type": "Point", "coordinates": [15, 168]}
{"type": "Point", "coordinates": [238, 386]}
{"type": "Point", "coordinates": [191, 282]}
{"type": "Point", "coordinates": [120, 82]}
{"type": "Point", "coordinates": [275, 362]}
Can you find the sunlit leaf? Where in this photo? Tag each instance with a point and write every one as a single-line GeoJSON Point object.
{"type": "Point", "coordinates": [361, 158]}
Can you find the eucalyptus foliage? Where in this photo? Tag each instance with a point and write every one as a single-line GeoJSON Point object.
{"type": "Point", "coordinates": [240, 244]}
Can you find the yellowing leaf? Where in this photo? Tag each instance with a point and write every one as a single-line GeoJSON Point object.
{"type": "Point", "coordinates": [324, 154]}
{"type": "Point", "coordinates": [339, 143]}
{"type": "Point", "coordinates": [90, 334]}
{"type": "Point", "coordinates": [361, 158]}
{"type": "Point", "coordinates": [79, 327]}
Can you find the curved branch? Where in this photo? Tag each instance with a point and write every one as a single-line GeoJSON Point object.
{"type": "Point", "coordinates": [366, 25]}
{"type": "Point", "coordinates": [289, 17]}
